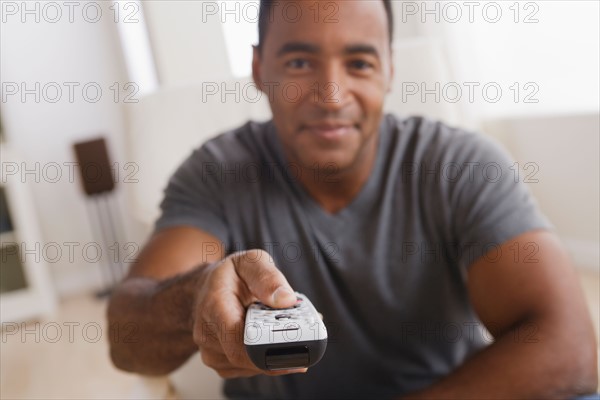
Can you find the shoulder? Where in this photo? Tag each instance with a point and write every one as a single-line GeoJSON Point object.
{"type": "Point", "coordinates": [226, 152]}
{"type": "Point", "coordinates": [242, 144]}
{"type": "Point", "coordinates": [229, 161]}
{"type": "Point", "coordinates": [432, 140]}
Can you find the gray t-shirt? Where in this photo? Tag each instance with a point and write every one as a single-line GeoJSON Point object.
{"type": "Point", "coordinates": [388, 272]}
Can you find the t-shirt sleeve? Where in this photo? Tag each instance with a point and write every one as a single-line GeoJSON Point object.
{"type": "Point", "coordinates": [490, 203]}
{"type": "Point", "coordinates": [194, 197]}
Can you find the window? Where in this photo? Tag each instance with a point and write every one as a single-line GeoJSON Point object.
{"type": "Point", "coordinates": [240, 27]}
{"type": "Point", "coordinates": [136, 45]}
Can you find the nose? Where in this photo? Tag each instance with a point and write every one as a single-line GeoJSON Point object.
{"type": "Point", "coordinates": [331, 91]}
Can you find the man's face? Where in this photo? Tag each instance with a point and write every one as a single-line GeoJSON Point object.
{"type": "Point", "coordinates": [326, 67]}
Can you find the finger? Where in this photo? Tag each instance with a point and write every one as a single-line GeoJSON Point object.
{"type": "Point", "coordinates": [219, 315]}
{"type": "Point", "coordinates": [231, 373]}
{"type": "Point", "coordinates": [286, 371]}
{"type": "Point", "coordinates": [219, 361]}
{"type": "Point", "coordinates": [226, 348]}
{"type": "Point", "coordinates": [257, 269]}
{"type": "Point", "coordinates": [237, 356]}
{"type": "Point", "coordinates": [224, 314]}
{"type": "Point", "coordinates": [216, 360]}
{"type": "Point", "coordinates": [231, 336]}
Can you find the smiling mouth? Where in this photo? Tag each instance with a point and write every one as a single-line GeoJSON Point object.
{"type": "Point", "coordinates": [330, 131]}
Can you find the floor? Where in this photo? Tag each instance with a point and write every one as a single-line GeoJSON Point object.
{"type": "Point", "coordinates": [47, 359]}
{"type": "Point", "coordinates": [66, 356]}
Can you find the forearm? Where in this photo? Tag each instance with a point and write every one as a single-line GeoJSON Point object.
{"type": "Point", "coordinates": [151, 322]}
{"type": "Point", "coordinates": [533, 360]}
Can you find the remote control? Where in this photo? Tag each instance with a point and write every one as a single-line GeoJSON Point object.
{"type": "Point", "coordinates": [284, 338]}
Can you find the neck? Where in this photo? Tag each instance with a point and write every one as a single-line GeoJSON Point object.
{"type": "Point", "coordinates": [335, 189]}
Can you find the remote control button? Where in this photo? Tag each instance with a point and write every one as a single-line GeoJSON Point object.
{"type": "Point", "coordinates": [282, 316]}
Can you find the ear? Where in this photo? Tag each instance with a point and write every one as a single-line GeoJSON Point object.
{"type": "Point", "coordinates": [256, 64]}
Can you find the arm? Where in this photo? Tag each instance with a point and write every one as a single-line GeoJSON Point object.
{"type": "Point", "coordinates": [544, 346]}
{"type": "Point", "coordinates": [179, 298]}
{"type": "Point", "coordinates": [149, 312]}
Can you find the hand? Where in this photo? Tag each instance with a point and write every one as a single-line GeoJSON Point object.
{"type": "Point", "coordinates": [228, 287]}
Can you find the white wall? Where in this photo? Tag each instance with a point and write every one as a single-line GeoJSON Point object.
{"type": "Point", "coordinates": [559, 53]}
{"type": "Point", "coordinates": [550, 49]}
{"type": "Point", "coordinates": [187, 41]}
{"type": "Point", "coordinates": [43, 132]}
{"type": "Point", "coordinates": [560, 164]}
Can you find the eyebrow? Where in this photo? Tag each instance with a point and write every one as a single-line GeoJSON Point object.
{"type": "Point", "coordinates": [304, 47]}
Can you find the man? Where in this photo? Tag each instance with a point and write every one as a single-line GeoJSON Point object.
{"type": "Point", "coordinates": [396, 228]}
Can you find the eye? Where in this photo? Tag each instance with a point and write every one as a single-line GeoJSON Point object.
{"type": "Point", "coordinates": [361, 65]}
{"type": "Point", "coordinates": [298, 63]}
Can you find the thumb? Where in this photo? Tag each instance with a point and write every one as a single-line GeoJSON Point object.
{"type": "Point", "coordinates": [283, 296]}
{"type": "Point", "coordinates": [264, 280]}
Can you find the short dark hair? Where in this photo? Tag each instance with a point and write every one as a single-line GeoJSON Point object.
{"type": "Point", "coordinates": [267, 5]}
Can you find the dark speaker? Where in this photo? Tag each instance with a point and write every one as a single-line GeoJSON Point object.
{"type": "Point", "coordinates": [97, 178]}
{"type": "Point", "coordinates": [94, 166]}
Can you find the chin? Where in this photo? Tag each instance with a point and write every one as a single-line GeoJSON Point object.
{"type": "Point", "coordinates": [327, 159]}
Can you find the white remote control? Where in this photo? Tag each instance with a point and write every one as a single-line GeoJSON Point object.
{"type": "Point", "coordinates": [284, 338]}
